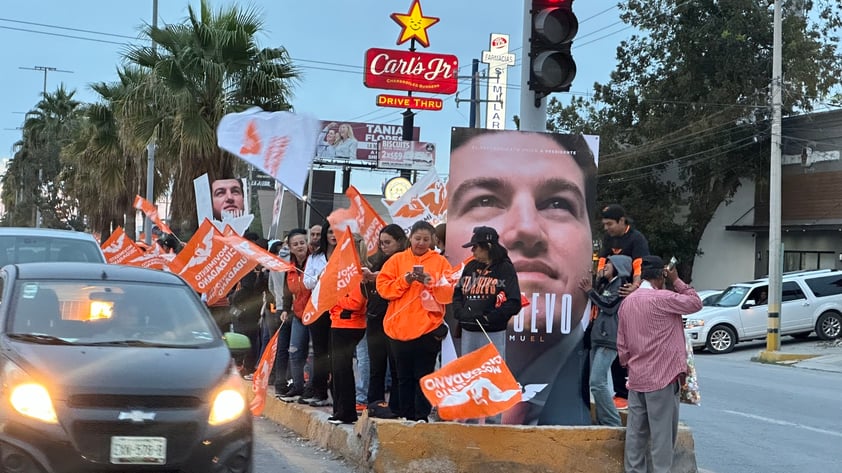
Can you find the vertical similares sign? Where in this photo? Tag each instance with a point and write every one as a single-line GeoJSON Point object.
{"type": "Point", "coordinates": [498, 60]}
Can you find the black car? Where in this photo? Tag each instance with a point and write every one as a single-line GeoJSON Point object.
{"type": "Point", "coordinates": [115, 368]}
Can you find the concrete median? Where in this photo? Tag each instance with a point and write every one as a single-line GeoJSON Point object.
{"type": "Point", "coordinates": [392, 445]}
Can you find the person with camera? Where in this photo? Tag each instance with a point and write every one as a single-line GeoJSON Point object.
{"type": "Point", "coordinates": [651, 345]}
{"type": "Point", "coordinates": [411, 281]}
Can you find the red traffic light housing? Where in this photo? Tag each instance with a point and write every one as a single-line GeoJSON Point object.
{"type": "Point", "coordinates": [554, 25]}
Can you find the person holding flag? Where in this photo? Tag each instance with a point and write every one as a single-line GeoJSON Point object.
{"type": "Point", "coordinates": [347, 328]}
{"type": "Point", "coordinates": [320, 328]}
{"type": "Point", "coordinates": [414, 317]}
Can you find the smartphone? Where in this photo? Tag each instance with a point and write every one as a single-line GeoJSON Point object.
{"type": "Point", "coordinates": [418, 269]}
{"type": "Point", "coordinates": [672, 263]}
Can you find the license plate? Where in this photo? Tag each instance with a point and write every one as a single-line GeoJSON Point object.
{"type": "Point", "coordinates": [138, 450]}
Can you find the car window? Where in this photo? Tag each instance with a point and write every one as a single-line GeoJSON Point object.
{"type": "Point", "coordinates": [711, 299]}
{"type": "Point", "coordinates": [760, 295]}
{"type": "Point", "coordinates": [826, 285]}
{"type": "Point", "coordinates": [791, 292]}
{"type": "Point", "coordinates": [31, 249]}
{"type": "Point", "coordinates": [732, 296]}
{"type": "Point", "coordinates": [97, 312]}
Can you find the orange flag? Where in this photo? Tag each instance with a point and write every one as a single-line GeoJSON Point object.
{"type": "Point", "coordinates": [151, 212]}
{"type": "Point", "coordinates": [119, 248]}
{"type": "Point", "coordinates": [153, 258]}
{"type": "Point", "coordinates": [475, 385]}
{"type": "Point", "coordinates": [210, 267]}
{"type": "Point", "coordinates": [252, 251]}
{"type": "Point", "coordinates": [340, 275]}
{"type": "Point", "coordinates": [261, 376]}
{"type": "Point", "coordinates": [361, 218]}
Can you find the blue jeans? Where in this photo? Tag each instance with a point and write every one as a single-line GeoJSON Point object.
{"type": "Point", "coordinates": [282, 356]}
{"type": "Point", "coordinates": [603, 396]}
{"type": "Point", "coordinates": [299, 348]}
{"type": "Point", "coordinates": [363, 371]}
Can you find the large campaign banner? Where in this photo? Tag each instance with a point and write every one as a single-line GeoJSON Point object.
{"type": "Point", "coordinates": [354, 142]}
{"type": "Point", "coordinates": [538, 191]}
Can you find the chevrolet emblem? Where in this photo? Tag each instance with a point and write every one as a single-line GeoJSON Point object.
{"type": "Point", "coordinates": [136, 416]}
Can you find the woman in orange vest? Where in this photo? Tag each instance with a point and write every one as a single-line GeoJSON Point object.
{"type": "Point", "coordinates": [411, 281]}
{"type": "Point", "coordinates": [347, 328]}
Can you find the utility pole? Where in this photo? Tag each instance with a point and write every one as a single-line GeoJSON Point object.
{"type": "Point", "coordinates": [773, 335]}
{"type": "Point", "coordinates": [533, 116]}
{"type": "Point", "coordinates": [46, 70]}
{"type": "Point", "coordinates": [150, 148]}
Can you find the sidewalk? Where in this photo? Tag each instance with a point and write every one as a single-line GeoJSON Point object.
{"type": "Point", "coordinates": [813, 355]}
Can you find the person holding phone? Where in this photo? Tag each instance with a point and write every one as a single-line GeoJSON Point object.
{"type": "Point", "coordinates": [650, 343]}
{"type": "Point", "coordinates": [415, 314]}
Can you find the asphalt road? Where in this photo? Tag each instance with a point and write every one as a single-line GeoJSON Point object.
{"type": "Point", "coordinates": [280, 450]}
{"type": "Point", "coordinates": [756, 417]}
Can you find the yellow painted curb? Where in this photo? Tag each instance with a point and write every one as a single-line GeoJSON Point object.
{"type": "Point", "coordinates": [386, 446]}
{"type": "Point", "coordinates": [780, 358]}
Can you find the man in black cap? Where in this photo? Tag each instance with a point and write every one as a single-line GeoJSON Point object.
{"type": "Point", "coordinates": [650, 343]}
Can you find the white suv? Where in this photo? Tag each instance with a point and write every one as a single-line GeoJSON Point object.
{"type": "Point", "coordinates": [810, 301]}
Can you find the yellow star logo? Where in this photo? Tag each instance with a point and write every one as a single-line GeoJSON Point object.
{"type": "Point", "coordinates": [414, 24]}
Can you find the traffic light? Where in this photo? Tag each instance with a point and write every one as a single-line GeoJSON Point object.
{"type": "Point", "coordinates": [554, 26]}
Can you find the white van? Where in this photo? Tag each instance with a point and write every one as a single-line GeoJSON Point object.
{"type": "Point", "coordinates": [810, 301]}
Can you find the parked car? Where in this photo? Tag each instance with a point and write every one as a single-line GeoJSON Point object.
{"type": "Point", "coordinates": [115, 368]}
{"type": "Point", "coordinates": [28, 245]}
{"type": "Point", "coordinates": [709, 296]}
{"type": "Point", "coordinates": [810, 301]}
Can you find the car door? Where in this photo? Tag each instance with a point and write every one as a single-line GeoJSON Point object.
{"type": "Point", "coordinates": [796, 310]}
{"type": "Point", "coordinates": [754, 317]}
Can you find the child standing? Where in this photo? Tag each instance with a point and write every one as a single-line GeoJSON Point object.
{"type": "Point", "coordinates": [606, 296]}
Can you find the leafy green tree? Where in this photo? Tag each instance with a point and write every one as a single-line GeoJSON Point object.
{"type": "Point", "coordinates": [202, 68]}
{"type": "Point", "coordinates": [685, 116]}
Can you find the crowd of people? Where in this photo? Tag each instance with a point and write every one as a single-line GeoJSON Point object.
{"type": "Point", "coordinates": [370, 350]}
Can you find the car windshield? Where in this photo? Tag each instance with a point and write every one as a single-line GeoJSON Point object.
{"type": "Point", "coordinates": [732, 296]}
{"type": "Point", "coordinates": [108, 313]}
{"type": "Point", "coordinates": [35, 249]}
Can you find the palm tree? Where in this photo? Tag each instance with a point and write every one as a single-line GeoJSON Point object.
{"type": "Point", "coordinates": [35, 164]}
{"type": "Point", "coordinates": [202, 68]}
{"type": "Point", "coordinates": [102, 161]}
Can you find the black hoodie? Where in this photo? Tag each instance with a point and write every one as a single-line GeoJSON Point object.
{"type": "Point", "coordinates": [475, 297]}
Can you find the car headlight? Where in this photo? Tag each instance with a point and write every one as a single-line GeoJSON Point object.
{"type": "Point", "coordinates": [229, 403]}
{"type": "Point", "coordinates": [33, 400]}
{"type": "Point", "coordinates": [694, 323]}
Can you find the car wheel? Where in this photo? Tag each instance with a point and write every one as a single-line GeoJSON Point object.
{"type": "Point", "coordinates": [721, 339]}
{"type": "Point", "coordinates": [829, 326]}
{"type": "Point", "coordinates": [801, 335]}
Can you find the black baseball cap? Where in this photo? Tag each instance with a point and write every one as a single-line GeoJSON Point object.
{"type": "Point", "coordinates": [482, 235]}
{"type": "Point", "coordinates": [613, 212]}
{"type": "Point", "coordinates": [651, 262]}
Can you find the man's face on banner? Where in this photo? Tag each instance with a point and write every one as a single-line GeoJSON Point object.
{"type": "Point", "coordinates": [536, 201]}
{"type": "Point", "coordinates": [227, 196]}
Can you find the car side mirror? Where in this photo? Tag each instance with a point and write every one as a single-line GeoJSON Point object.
{"type": "Point", "coordinates": [749, 304]}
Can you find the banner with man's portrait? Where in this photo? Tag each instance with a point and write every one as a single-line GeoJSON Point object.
{"type": "Point", "coordinates": [538, 191]}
